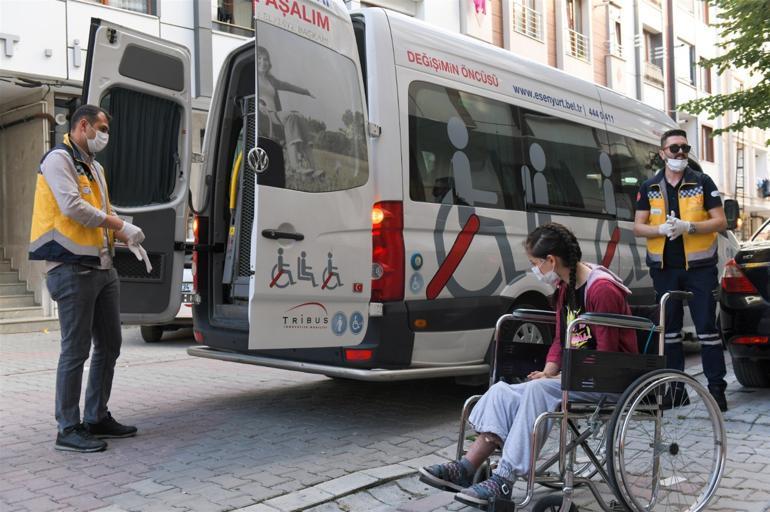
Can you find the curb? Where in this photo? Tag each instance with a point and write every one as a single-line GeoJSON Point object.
{"type": "Point", "coordinates": [332, 490]}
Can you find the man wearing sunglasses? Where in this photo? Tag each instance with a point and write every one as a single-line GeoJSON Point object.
{"type": "Point", "coordinates": [679, 212]}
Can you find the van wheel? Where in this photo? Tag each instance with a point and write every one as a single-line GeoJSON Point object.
{"type": "Point", "coordinates": [528, 332]}
{"type": "Point", "coordinates": [151, 333]}
{"type": "Point", "coordinates": [522, 332]}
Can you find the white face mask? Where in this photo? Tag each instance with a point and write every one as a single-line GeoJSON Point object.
{"type": "Point", "coordinates": [99, 142]}
{"type": "Point", "coordinates": [550, 277]}
{"type": "Point", "coordinates": [676, 164]}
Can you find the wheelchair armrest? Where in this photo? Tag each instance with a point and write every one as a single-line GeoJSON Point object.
{"type": "Point", "coordinates": [541, 316]}
{"type": "Point", "coordinates": [616, 320]}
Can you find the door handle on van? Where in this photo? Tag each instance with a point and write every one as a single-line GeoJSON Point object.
{"type": "Point", "coordinates": [272, 234]}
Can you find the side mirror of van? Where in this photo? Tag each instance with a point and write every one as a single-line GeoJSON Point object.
{"type": "Point", "coordinates": [732, 212]}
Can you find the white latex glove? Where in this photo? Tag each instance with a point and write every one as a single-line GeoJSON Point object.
{"type": "Point", "coordinates": [141, 255]}
{"type": "Point", "coordinates": [678, 226]}
{"type": "Point", "coordinates": [133, 234]}
{"type": "Point", "coordinates": [665, 228]}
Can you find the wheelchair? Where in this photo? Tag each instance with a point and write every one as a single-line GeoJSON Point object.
{"type": "Point", "coordinates": [656, 438]}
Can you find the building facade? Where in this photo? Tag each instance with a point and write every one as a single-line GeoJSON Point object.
{"type": "Point", "coordinates": [621, 44]}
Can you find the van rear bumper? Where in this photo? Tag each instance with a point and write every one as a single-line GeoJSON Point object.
{"type": "Point", "coordinates": [373, 375]}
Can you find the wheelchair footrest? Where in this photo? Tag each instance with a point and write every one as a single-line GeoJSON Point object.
{"type": "Point", "coordinates": [501, 505]}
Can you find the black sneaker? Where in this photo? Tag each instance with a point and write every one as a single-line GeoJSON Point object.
{"type": "Point", "coordinates": [481, 494]}
{"type": "Point", "coordinates": [109, 428]}
{"type": "Point", "coordinates": [77, 439]}
{"type": "Point", "coordinates": [449, 476]}
{"type": "Point", "coordinates": [719, 397]}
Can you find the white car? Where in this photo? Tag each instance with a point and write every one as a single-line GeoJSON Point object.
{"type": "Point", "coordinates": [153, 333]}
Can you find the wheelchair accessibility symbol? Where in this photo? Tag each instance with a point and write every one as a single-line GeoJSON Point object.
{"type": "Point", "coordinates": [339, 323]}
{"type": "Point", "coordinates": [356, 322]}
{"type": "Point", "coordinates": [416, 282]}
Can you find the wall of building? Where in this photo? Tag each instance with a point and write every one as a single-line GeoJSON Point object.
{"type": "Point", "coordinates": [21, 147]}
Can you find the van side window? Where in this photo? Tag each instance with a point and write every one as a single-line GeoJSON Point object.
{"type": "Point", "coordinates": [565, 164]}
{"type": "Point", "coordinates": [464, 149]}
{"type": "Point", "coordinates": [632, 164]}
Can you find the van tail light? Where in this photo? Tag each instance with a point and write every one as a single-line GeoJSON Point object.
{"type": "Point", "coordinates": [750, 340]}
{"type": "Point", "coordinates": [735, 281]}
{"type": "Point", "coordinates": [357, 354]}
{"type": "Point", "coordinates": [196, 225]}
{"type": "Point", "coordinates": [387, 251]}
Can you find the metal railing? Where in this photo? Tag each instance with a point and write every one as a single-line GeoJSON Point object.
{"type": "Point", "coordinates": [578, 45]}
{"type": "Point", "coordinates": [527, 21]}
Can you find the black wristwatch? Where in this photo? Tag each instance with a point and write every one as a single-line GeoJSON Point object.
{"type": "Point", "coordinates": [691, 229]}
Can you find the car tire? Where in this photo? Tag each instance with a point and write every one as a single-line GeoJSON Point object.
{"type": "Point", "coordinates": [151, 333]}
{"type": "Point", "coordinates": [752, 373]}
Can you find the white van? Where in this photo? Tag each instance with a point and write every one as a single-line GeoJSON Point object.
{"type": "Point", "coordinates": [364, 217]}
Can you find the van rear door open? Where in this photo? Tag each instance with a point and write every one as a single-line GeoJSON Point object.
{"type": "Point", "coordinates": [311, 242]}
{"type": "Point", "coordinates": [144, 83]}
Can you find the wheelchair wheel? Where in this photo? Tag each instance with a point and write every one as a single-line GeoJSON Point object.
{"type": "Point", "coordinates": [552, 503]}
{"type": "Point", "coordinates": [666, 444]}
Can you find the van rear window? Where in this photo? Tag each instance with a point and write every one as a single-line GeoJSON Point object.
{"type": "Point", "coordinates": [310, 105]}
{"type": "Point", "coordinates": [152, 68]}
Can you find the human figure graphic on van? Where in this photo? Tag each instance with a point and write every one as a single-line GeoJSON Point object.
{"type": "Point", "coordinates": [304, 270]}
{"type": "Point", "coordinates": [290, 127]}
{"type": "Point", "coordinates": [329, 272]}
{"type": "Point", "coordinates": [281, 269]}
{"type": "Point", "coordinates": [505, 414]}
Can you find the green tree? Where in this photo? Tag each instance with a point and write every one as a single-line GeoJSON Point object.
{"type": "Point", "coordinates": [744, 30]}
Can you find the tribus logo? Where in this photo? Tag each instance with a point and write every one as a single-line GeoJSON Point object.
{"type": "Point", "coordinates": [309, 315]}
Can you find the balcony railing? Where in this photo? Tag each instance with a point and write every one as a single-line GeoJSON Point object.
{"type": "Point", "coordinates": [527, 21]}
{"type": "Point", "coordinates": [578, 45]}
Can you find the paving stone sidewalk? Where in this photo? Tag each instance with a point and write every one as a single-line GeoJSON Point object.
{"type": "Point", "coordinates": [745, 485]}
{"type": "Point", "coordinates": [218, 436]}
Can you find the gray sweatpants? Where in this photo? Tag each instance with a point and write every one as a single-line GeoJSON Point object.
{"type": "Point", "coordinates": [509, 411]}
{"type": "Point", "coordinates": [89, 308]}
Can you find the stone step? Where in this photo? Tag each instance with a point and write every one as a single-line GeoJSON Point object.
{"type": "Point", "coordinates": [9, 277]}
{"type": "Point", "coordinates": [12, 289]}
{"type": "Point", "coordinates": [5, 266]}
{"type": "Point", "coordinates": [17, 301]}
{"type": "Point", "coordinates": [28, 324]}
{"type": "Point", "coordinates": [25, 311]}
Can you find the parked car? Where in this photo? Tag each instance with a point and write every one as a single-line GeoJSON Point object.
{"type": "Point", "coordinates": [745, 309]}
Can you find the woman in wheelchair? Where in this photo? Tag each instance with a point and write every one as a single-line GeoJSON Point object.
{"type": "Point", "coordinates": [505, 414]}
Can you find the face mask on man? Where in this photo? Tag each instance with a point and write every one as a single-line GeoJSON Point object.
{"type": "Point", "coordinates": [676, 164]}
{"type": "Point", "coordinates": [550, 277]}
{"type": "Point", "coordinates": [99, 142]}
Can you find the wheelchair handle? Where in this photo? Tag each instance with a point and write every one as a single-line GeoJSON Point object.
{"type": "Point", "coordinates": [676, 294]}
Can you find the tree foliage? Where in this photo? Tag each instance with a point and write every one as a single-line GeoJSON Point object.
{"type": "Point", "coordinates": [744, 30]}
